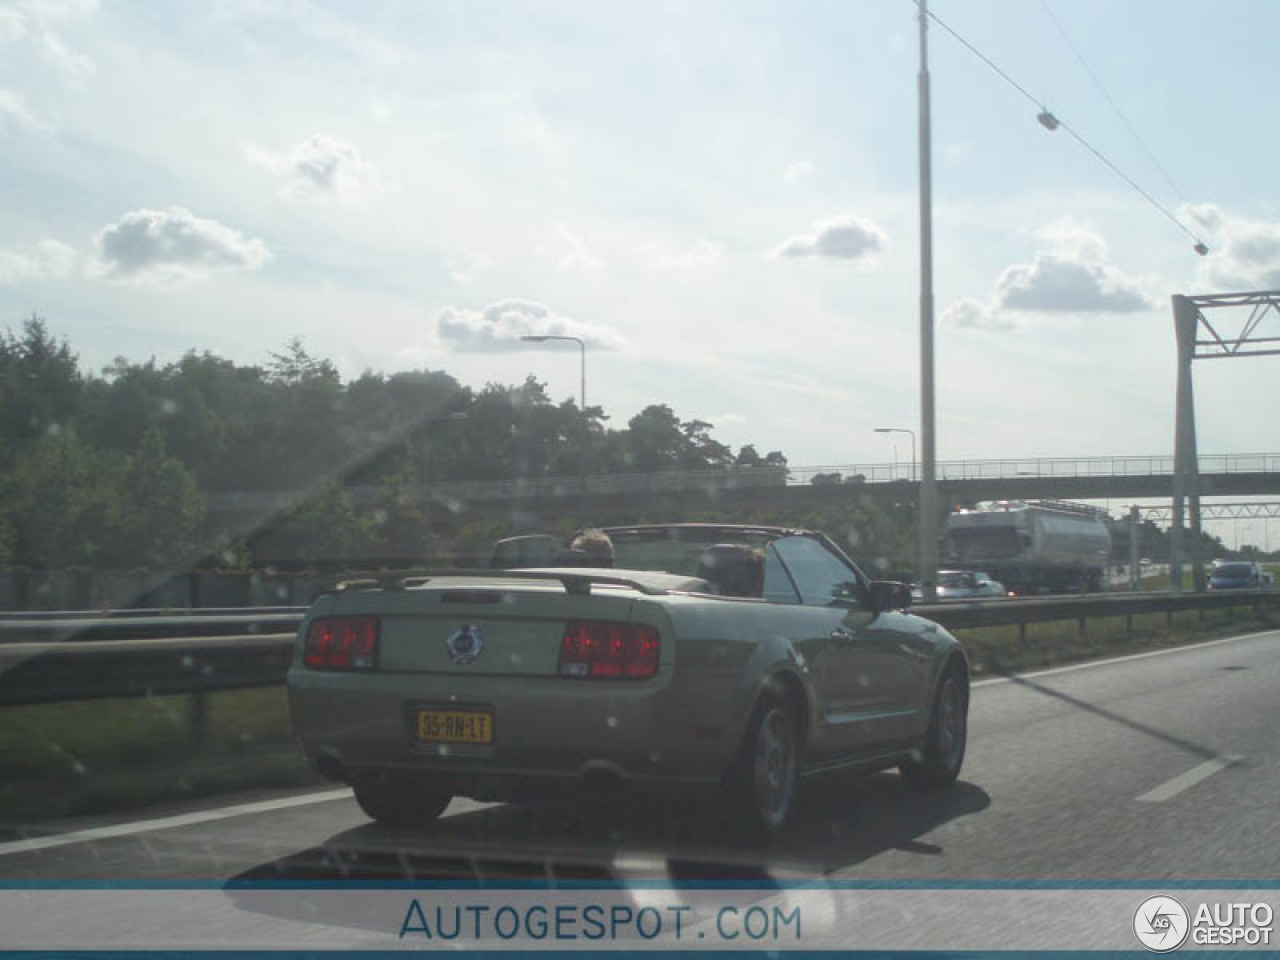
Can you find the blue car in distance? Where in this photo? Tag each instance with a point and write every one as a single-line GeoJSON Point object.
{"type": "Point", "coordinates": [1236, 575]}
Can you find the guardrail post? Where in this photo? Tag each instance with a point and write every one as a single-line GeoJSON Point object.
{"type": "Point", "coordinates": [1022, 634]}
{"type": "Point", "coordinates": [1082, 630]}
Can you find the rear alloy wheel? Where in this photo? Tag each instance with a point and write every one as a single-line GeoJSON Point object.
{"type": "Point", "coordinates": [943, 752]}
{"type": "Point", "coordinates": [765, 779]}
{"type": "Point", "coordinates": [400, 800]}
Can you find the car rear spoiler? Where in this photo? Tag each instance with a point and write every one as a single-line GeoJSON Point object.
{"type": "Point", "coordinates": [577, 582]}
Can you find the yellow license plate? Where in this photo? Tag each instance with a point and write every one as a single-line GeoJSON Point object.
{"type": "Point", "coordinates": [455, 726]}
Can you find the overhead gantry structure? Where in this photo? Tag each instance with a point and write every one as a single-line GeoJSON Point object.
{"type": "Point", "coordinates": [1202, 331]}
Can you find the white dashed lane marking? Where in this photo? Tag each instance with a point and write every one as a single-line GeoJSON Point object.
{"type": "Point", "coordinates": [1171, 788]}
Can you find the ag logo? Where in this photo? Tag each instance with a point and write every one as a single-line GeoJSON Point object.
{"type": "Point", "coordinates": [466, 643]}
{"type": "Point", "coordinates": [1161, 924]}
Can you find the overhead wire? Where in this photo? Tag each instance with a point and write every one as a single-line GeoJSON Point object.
{"type": "Point", "coordinates": [1110, 102]}
{"type": "Point", "coordinates": [1051, 121]}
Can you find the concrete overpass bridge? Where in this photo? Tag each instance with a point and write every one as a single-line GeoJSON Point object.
{"type": "Point", "coordinates": [532, 501]}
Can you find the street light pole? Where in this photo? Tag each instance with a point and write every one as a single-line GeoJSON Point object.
{"type": "Point", "coordinates": [582, 347]}
{"type": "Point", "coordinates": [909, 433]}
{"type": "Point", "coordinates": [928, 479]}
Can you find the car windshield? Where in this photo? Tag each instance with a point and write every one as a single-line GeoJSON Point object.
{"type": "Point", "coordinates": [676, 549]}
{"type": "Point", "coordinates": [365, 365]}
{"type": "Point", "coordinates": [989, 544]}
{"type": "Point", "coordinates": [1233, 570]}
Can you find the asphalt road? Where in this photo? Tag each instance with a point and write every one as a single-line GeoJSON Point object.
{"type": "Point", "coordinates": [1159, 766]}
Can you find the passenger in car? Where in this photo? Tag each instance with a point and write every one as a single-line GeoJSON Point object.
{"type": "Point", "coordinates": [733, 569]}
{"type": "Point", "coordinates": [596, 545]}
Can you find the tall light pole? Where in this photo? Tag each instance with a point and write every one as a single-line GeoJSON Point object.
{"type": "Point", "coordinates": [928, 479]}
{"type": "Point", "coordinates": [543, 338]}
{"type": "Point", "coordinates": [909, 433]}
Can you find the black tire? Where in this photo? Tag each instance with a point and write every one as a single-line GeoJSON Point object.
{"type": "Point", "coordinates": [400, 800]}
{"type": "Point", "coordinates": [942, 753]}
{"type": "Point", "coordinates": [765, 778]}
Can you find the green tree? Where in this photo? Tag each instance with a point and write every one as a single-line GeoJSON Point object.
{"type": "Point", "coordinates": [155, 511]}
{"type": "Point", "coordinates": [59, 501]}
{"type": "Point", "coordinates": [325, 530]}
{"type": "Point", "coordinates": [40, 384]}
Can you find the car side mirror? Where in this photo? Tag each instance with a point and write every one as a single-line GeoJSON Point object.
{"type": "Point", "coordinates": [888, 595]}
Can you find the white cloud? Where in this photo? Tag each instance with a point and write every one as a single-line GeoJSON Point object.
{"type": "Point", "coordinates": [798, 171]}
{"type": "Point", "coordinates": [722, 419]}
{"type": "Point", "coordinates": [319, 165]}
{"type": "Point", "coordinates": [699, 255]}
{"type": "Point", "coordinates": [1209, 216]}
{"type": "Point", "coordinates": [1243, 254]}
{"type": "Point", "coordinates": [970, 314]}
{"type": "Point", "coordinates": [19, 20]}
{"type": "Point", "coordinates": [46, 260]}
{"type": "Point", "coordinates": [58, 11]}
{"type": "Point", "coordinates": [498, 328]}
{"type": "Point", "coordinates": [1055, 283]}
{"type": "Point", "coordinates": [76, 67]}
{"type": "Point", "coordinates": [14, 114]}
{"type": "Point", "coordinates": [567, 250]}
{"type": "Point", "coordinates": [1073, 276]}
{"type": "Point", "coordinates": [841, 238]}
{"type": "Point", "coordinates": [13, 25]}
{"type": "Point", "coordinates": [463, 269]}
{"type": "Point", "coordinates": [173, 244]}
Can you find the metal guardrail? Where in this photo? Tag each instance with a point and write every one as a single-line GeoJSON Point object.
{"type": "Point", "coordinates": [1018, 611]}
{"type": "Point", "coordinates": [97, 628]}
{"type": "Point", "coordinates": [143, 614]}
{"type": "Point", "coordinates": [32, 673]}
{"type": "Point", "coordinates": [53, 670]}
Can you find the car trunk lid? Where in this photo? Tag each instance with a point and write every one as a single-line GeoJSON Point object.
{"type": "Point", "coordinates": [495, 629]}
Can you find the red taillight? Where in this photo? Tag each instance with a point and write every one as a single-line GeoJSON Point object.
{"type": "Point", "coordinates": [342, 643]}
{"type": "Point", "coordinates": [609, 650]}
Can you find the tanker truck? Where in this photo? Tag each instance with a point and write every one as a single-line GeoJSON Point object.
{"type": "Point", "coordinates": [1043, 546]}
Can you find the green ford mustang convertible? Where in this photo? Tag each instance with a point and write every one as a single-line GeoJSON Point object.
{"type": "Point", "coordinates": [736, 658]}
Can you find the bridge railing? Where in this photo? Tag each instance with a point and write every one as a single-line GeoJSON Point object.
{"type": "Point", "coordinates": [734, 478]}
{"type": "Point", "coordinates": [1040, 467]}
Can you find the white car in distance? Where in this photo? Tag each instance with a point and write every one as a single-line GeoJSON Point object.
{"type": "Point", "coordinates": [964, 584]}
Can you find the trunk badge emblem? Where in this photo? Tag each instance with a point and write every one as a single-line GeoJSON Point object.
{"type": "Point", "coordinates": [466, 643]}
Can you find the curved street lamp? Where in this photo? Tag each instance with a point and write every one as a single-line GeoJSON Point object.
{"type": "Point", "coordinates": [909, 433]}
{"type": "Point", "coordinates": [543, 338]}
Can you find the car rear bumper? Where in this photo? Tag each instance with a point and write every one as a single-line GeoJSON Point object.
{"type": "Point", "coordinates": [546, 730]}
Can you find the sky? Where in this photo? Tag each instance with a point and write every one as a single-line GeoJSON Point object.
{"type": "Point", "coordinates": [719, 198]}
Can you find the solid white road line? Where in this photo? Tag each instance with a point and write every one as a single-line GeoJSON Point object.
{"type": "Point", "coordinates": [1171, 788]}
{"type": "Point", "coordinates": [1090, 664]}
{"type": "Point", "coordinates": [165, 823]}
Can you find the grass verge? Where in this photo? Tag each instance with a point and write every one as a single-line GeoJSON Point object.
{"type": "Point", "coordinates": [998, 650]}
{"type": "Point", "coordinates": [86, 757]}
